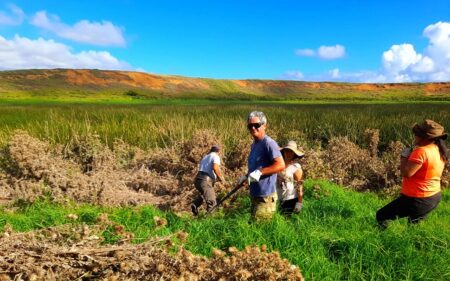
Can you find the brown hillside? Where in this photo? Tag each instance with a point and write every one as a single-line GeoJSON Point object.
{"type": "Point", "coordinates": [132, 79]}
{"type": "Point", "coordinates": [98, 80]}
{"type": "Point", "coordinates": [437, 88]}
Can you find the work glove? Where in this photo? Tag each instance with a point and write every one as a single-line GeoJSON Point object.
{"type": "Point", "coordinates": [241, 180]}
{"type": "Point", "coordinates": [406, 152]}
{"type": "Point", "coordinates": [254, 176]}
{"type": "Point", "coordinates": [298, 207]}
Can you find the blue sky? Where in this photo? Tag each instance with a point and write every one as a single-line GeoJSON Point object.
{"type": "Point", "coordinates": [355, 41]}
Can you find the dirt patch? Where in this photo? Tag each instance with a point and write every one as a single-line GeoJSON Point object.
{"type": "Point", "coordinates": [139, 79]}
{"type": "Point", "coordinates": [366, 87]}
{"type": "Point", "coordinates": [437, 88]}
{"type": "Point", "coordinates": [241, 83]}
{"type": "Point", "coordinates": [83, 77]}
{"type": "Point", "coordinates": [75, 252]}
{"type": "Point", "coordinates": [134, 79]}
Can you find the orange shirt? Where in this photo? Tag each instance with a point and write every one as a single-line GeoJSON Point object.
{"type": "Point", "coordinates": [427, 180]}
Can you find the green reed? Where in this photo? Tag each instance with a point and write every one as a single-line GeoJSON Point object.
{"type": "Point", "coordinates": [149, 126]}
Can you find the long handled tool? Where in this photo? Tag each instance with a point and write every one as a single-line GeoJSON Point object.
{"type": "Point", "coordinates": [228, 195]}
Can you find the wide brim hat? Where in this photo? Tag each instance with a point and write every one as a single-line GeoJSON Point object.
{"type": "Point", "coordinates": [292, 145]}
{"type": "Point", "coordinates": [429, 130]}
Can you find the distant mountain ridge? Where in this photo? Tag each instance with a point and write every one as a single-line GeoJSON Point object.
{"type": "Point", "coordinates": [84, 83]}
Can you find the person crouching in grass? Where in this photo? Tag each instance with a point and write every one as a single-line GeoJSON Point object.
{"type": "Point", "coordinates": [289, 181]}
{"type": "Point", "coordinates": [208, 174]}
{"type": "Point", "coordinates": [421, 168]}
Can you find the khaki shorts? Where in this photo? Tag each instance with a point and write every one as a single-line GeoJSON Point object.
{"type": "Point", "coordinates": [263, 208]}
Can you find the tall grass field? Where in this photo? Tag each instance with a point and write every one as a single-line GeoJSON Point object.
{"type": "Point", "coordinates": [149, 126]}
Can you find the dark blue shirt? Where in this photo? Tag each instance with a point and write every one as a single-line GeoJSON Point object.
{"type": "Point", "coordinates": [262, 154]}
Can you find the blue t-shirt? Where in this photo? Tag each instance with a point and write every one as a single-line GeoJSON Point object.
{"type": "Point", "coordinates": [262, 154]}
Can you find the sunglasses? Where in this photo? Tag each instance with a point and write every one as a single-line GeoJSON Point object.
{"type": "Point", "coordinates": [254, 125]}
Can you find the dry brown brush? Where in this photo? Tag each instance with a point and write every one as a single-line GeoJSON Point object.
{"type": "Point", "coordinates": [86, 170]}
{"type": "Point", "coordinates": [348, 164]}
{"type": "Point", "coordinates": [75, 252]}
{"type": "Point", "coordinates": [34, 169]}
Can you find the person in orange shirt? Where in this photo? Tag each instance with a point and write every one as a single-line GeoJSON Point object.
{"type": "Point", "coordinates": [421, 168]}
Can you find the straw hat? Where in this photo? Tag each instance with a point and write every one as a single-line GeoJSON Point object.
{"type": "Point", "coordinates": [292, 145]}
{"type": "Point", "coordinates": [429, 130]}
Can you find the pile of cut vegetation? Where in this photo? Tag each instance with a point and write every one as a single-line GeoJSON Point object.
{"type": "Point", "coordinates": [76, 252]}
{"type": "Point", "coordinates": [86, 170]}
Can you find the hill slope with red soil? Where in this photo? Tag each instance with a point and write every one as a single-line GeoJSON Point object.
{"type": "Point", "coordinates": [57, 82]}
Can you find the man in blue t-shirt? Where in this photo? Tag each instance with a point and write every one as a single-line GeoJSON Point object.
{"type": "Point", "coordinates": [264, 162]}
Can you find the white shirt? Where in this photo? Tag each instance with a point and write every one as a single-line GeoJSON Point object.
{"type": "Point", "coordinates": [206, 165]}
{"type": "Point", "coordinates": [286, 182]}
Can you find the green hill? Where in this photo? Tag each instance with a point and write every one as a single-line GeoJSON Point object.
{"type": "Point", "coordinates": [122, 86]}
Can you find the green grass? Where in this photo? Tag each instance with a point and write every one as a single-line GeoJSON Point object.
{"type": "Point", "coordinates": [334, 238]}
{"type": "Point", "coordinates": [212, 100]}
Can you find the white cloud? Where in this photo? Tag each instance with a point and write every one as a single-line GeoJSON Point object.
{"type": "Point", "coordinates": [305, 52]}
{"type": "Point", "coordinates": [323, 52]}
{"type": "Point", "coordinates": [95, 33]}
{"type": "Point", "coordinates": [331, 52]}
{"type": "Point", "coordinates": [399, 58]}
{"type": "Point", "coordinates": [334, 73]}
{"type": "Point", "coordinates": [438, 33]}
{"type": "Point", "coordinates": [401, 63]}
{"type": "Point", "coordinates": [25, 53]}
{"type": "Point", "coordinates": [15, 17]}
{"type": "Point", "coordinates": [439, 50]}
{"type": "Point", "coordinates": [424, 65]}
{"type": "Point", "coordinates": [292, 75]}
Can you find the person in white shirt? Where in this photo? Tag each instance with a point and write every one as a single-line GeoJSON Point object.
{"type": "Point", "coordinates": [289, 181]}
{"type": "Point", "coordinates": [208, 174]}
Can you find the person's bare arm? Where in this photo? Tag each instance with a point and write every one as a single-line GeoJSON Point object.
{"type": "Point", "coordinates": [216, 169]}
{"type": "Point", "coordinates": [408, 168]}
{"type": "Point", "coordinates": [277, 166]}
{"type": "Point", "coordinates": [298, 175]}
